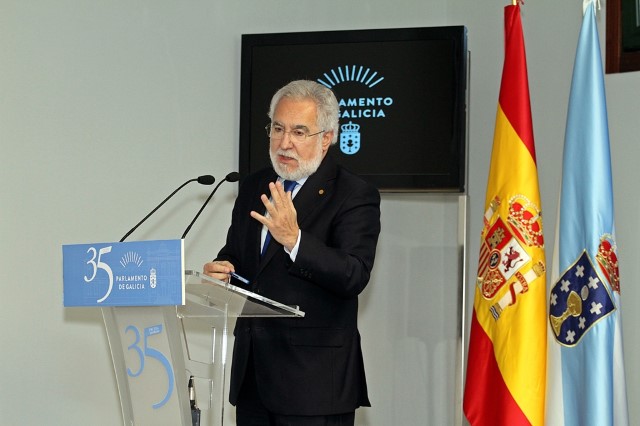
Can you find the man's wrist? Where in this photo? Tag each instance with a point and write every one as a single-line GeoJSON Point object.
{"type": "Point", "coordinates": [294, 250]}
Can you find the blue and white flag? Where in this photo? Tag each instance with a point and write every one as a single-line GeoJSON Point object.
{"type": "Point", "coordinates": [585, 367]}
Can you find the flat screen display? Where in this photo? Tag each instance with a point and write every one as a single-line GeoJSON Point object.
{"type": "Point", "coordinates": [402, 95]}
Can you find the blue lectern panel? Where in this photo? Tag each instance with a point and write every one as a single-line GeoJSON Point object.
{"type": "Point", "coordinates": [140, 273]}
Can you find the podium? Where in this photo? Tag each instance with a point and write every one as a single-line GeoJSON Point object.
{"type": "Point", "coordinates": [151, 355]}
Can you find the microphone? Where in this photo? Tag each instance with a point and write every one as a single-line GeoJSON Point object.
{"type": "Point", "coordinates": [203, 180]}
{"type": "Point", "coordinates": [231, 177]}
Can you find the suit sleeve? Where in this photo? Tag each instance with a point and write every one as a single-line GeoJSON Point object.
{"type": "Point", "coordinates": [341, 260]}
{"type": "Point", "coordinates": [243, 229]}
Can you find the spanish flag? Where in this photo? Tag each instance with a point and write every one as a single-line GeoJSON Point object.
{"type": "Point", "coordinates": [506, 366]}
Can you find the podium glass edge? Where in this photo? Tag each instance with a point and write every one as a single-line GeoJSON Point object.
{"type": "Point", "coordinates": [253, 297]}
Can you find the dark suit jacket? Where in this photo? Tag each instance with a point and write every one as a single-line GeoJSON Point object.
{"type": "Point", "coordinates": [311, 365]}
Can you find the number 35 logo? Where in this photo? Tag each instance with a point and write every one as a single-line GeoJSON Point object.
{"type": "Point", "coordinates": [148, 352]}
{"type": "Point", "coordinates": [96, 264]}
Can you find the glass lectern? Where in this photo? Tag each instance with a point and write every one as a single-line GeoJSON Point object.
{"type": "Point", "coordinates": [151, 356]}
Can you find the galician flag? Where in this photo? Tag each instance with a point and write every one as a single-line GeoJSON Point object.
{"type": "Point", "coordinates": [506, 365]}
{"type": "Point", "coordinates": [585, 382]}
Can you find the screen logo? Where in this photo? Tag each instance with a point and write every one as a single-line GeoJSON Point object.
{"type": "Point", "coordinates": [343, 74]}
{"type": "Point", "coordinates": [350, 138]}
{"type": "Point", "coordinates": [356, 106]}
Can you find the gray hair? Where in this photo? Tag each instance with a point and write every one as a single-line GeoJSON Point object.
{"type": "Point", "coordinates": [326, 103]}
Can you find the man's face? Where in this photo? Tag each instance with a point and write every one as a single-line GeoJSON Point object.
{"type": "Point", "coordinates": [294, 160]}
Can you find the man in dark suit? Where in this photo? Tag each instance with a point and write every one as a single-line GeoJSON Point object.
{"type": "Point", "coordinates": [321, 239]}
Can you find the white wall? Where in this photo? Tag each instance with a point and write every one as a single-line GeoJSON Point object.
{"type": "Point", "coordinates": [105, 107]}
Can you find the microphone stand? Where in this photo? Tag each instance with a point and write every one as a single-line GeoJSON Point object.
{"type": "Point", "coordinates": [231, 177]}
{"type": "Point", "coordinates": [205, 180]}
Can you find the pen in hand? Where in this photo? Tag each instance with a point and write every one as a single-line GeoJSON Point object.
{"type": "Point", "coordinates": [239, 278]}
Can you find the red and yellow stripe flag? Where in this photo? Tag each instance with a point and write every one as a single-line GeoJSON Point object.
{"type": "Point", "coordinates": [506, 367]}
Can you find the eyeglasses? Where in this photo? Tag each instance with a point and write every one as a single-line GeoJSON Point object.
{"type": "Point", "coordinates": [276, 133]}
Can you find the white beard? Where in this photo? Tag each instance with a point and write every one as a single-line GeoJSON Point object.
{"type": "Point", "coordinates": [304, 169]}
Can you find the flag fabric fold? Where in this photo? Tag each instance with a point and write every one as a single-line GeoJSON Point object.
{"type": "Point", "coordinates": [585, 375]}
{"type": "Point", "coordinates": [506, 364]}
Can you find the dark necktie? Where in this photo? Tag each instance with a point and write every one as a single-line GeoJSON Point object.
{"type": "Point", "coordinates": [288, 185]}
